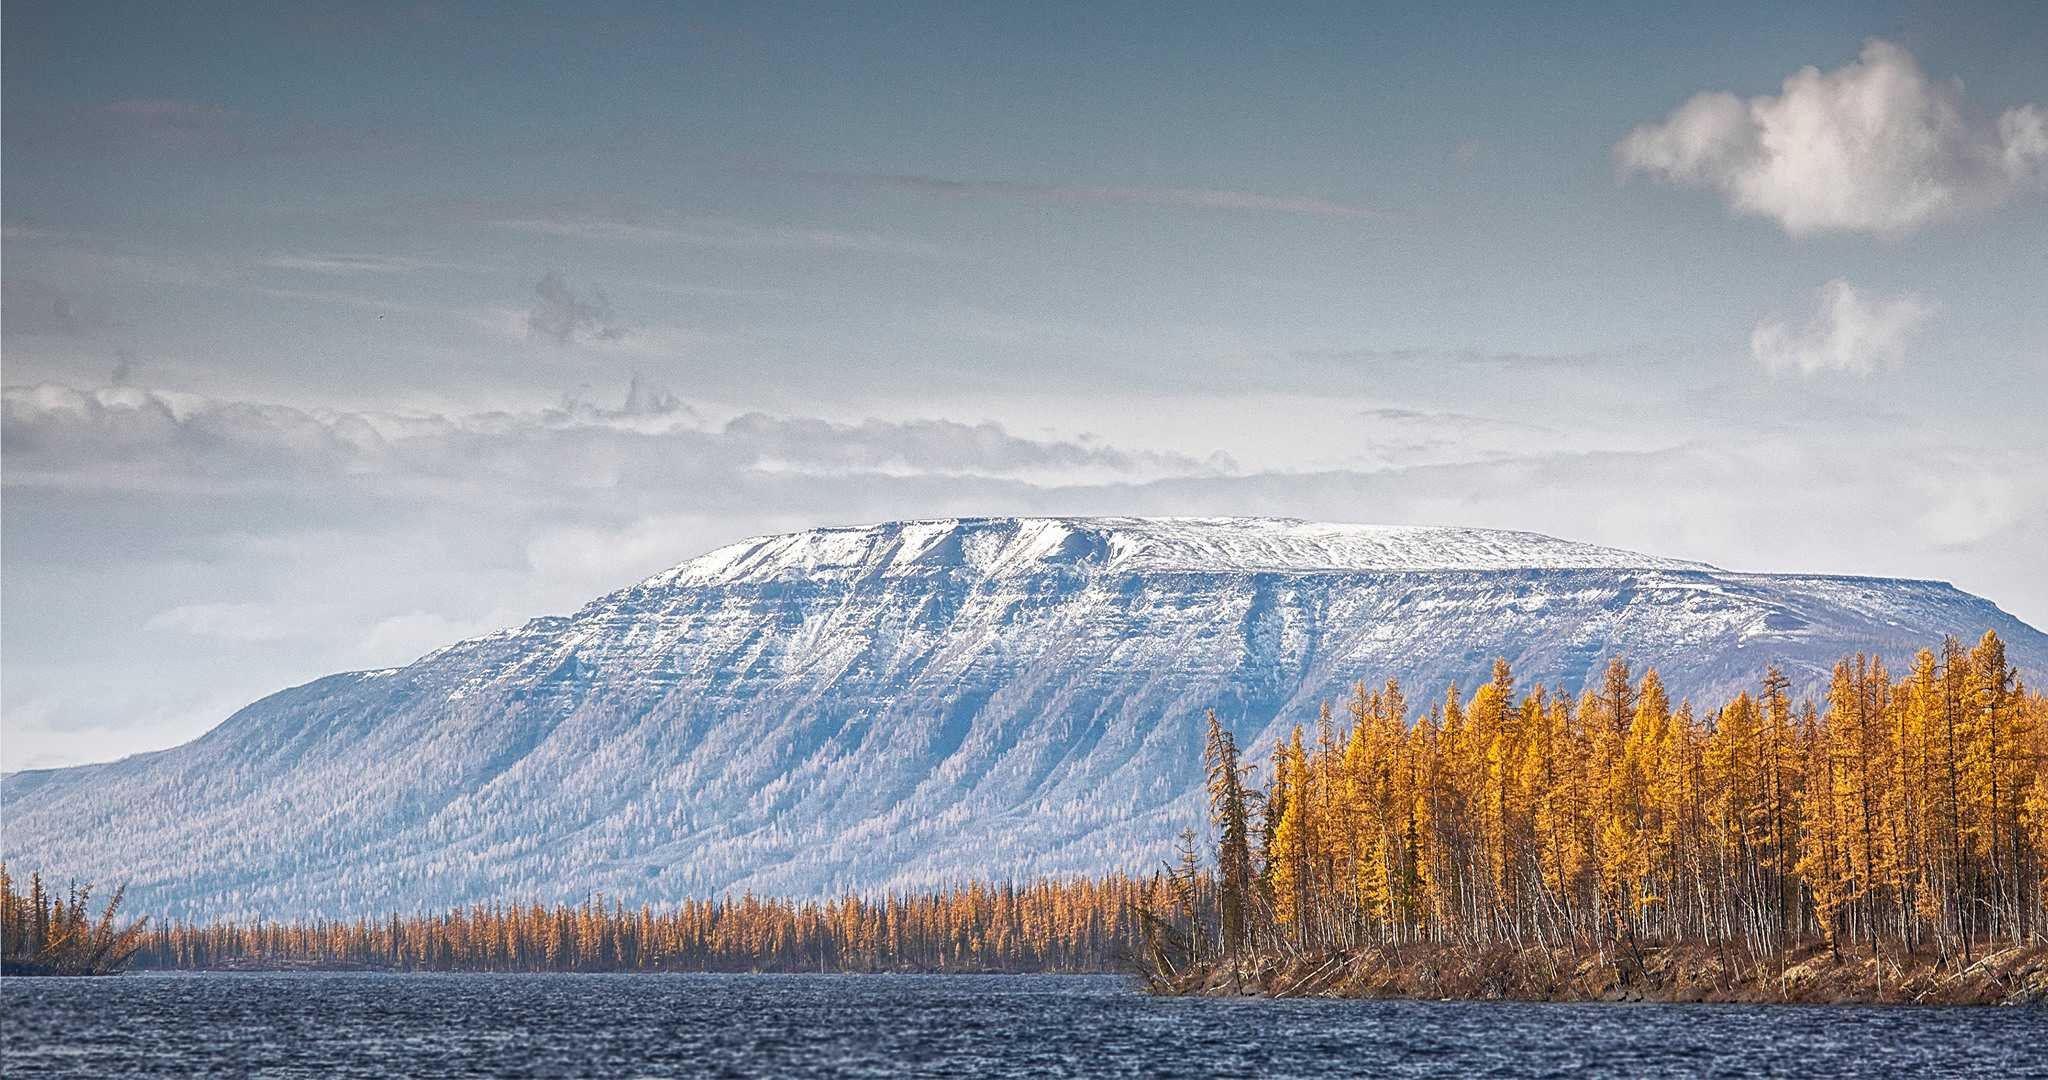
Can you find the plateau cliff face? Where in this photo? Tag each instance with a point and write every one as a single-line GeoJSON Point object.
{"type": "Point", "coordinates": [898, 705]}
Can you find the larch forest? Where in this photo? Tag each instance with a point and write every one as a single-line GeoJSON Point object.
{"type": "Point", "coordinates": [1900, 824]}
{"type": "Point", "coordinates": [1516, 842]}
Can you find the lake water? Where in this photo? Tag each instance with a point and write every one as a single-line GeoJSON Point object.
{"type": "Point", "coordinates": [942, 1026]}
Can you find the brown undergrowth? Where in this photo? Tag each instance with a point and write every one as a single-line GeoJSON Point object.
{"type": "Point", "coordinates": [1814, 975]}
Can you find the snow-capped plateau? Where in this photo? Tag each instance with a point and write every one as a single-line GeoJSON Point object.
{"type": "Point", "coordinates": [896, 706]}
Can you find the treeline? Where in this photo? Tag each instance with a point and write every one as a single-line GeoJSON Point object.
{"type": "Point", "coordinates": [1907, 815]}
{"type": "Point", "coordinates": [42, 933]}
{"type": "Point", "coordinates": [1064, 926]}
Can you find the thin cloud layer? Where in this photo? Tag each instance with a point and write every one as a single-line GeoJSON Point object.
{"type": "Point", "coordinates": [133, 439]}
{"type": "Point", "coordinates": [607, 225]}
{"type": "Point", "coordinates": [1182, 197]}
{"type": "Point", "coordinates": [1850, 331]}
{"type": "Point", "coordinates": [1874, 146]}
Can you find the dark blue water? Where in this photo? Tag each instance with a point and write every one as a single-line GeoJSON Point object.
{"type": "Point", "coordinates": [940, 1026]}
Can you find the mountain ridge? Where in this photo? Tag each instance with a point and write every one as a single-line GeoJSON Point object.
{"type": "Point", "coordinates": [1201, 544]}
{"type": "Point", "coordinates": [894, 705]}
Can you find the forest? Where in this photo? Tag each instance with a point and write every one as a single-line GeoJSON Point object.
{"type": "Point", "coordinates": [1048, 926]}
{"type": "Point", "coordinates": [1903, 820]}
{"type": "Point", "coordinates": [43, 933]}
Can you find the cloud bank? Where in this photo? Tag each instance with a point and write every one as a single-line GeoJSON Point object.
{"type": "Point", "coordinates": [1874, 146]}
{"type": "Point", "coordinates": [225, 549]}
{"type": "Point", "coordinates": [1850, 331]}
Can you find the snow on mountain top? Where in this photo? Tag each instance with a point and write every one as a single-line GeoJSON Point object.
{"type": "Point", "coordinates": [997, 547]}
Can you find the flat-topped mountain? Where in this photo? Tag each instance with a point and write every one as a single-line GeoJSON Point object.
{"type": "Point", "coordinates": [1006, 547]}
{"type": "Point", "coordinates": [898, 705]}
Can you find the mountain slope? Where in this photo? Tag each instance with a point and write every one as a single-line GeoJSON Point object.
{"type": "Point", "coordinates": [896, 705]}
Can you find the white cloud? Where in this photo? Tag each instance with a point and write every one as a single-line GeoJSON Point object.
{"type": "Point", "coordinates": [46, 731]}
{"type": "Point", "coordinates": [1851, 330]}
{"type": "Point", "coordinates": [1874, 146]}
{"type": "Point", "coordinates": [403, 638]}
{"type": "Point", "coordinates": [1971, 508]}
{"type": "Point", "coordinates": [135, 439]}
{"type": "Point", "coordinates": [228, 622]}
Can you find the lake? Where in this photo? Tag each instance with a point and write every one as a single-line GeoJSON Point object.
{"type": "Point", "coordinates": [350, 1024]}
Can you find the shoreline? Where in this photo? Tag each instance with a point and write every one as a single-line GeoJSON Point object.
{"type": "Point", "coordinates": [1810, 975]}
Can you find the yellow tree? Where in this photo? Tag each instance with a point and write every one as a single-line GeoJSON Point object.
{"type": "Point", "coordinates": [1489, 770]}
{"type": "Point", "coordinates": [1293, 840]}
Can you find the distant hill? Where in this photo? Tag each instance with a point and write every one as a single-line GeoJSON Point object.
{"type": "Point", "coordinates": [898, 705]}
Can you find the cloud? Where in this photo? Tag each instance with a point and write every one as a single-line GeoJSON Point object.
{"type": "Point", "coordinates": [415, 633]}
{"type": "Point", "coordinates": [225, 549]}
{"type": "Point", "coordinates": [1850, 331]}
{"type": "Point", "coordinates": [1871, 147]}
{"type": "Point", "coordinates": [1972, 506]}
{"type": "Point", "coordinates": [1449, 358]}
{"type": "Point", "coordinates": [237, 547]}
{"type": "Point", "coordinates": [562, 314]}
{"type": "Point", "coordinates": [635, 228]}
{"type": "Point", "coordinates": [941, 447]}
{"type": "Point", "coordinates": [350, 265]}
{"type": "Point", "coordinates": [229, 622]}
{"type": "Point", "coordinates": [133, 439]}
{"type": "Point", "coordinates": [83, 723]}
{"type": "Point", "coordinates": [1181, 197]}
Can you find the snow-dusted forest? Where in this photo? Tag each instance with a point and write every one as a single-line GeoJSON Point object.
{"type": "Point", "coordinates": [899, 706]}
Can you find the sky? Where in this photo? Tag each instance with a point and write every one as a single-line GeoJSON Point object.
{"type": "Point", "coordinates": [333, 336]}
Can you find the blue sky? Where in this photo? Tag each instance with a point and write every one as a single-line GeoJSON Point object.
{"type": "Point", "coordinates": [333, 336]}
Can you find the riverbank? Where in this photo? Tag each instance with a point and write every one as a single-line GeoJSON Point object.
{"type": "Point", "coordinates": [1812, 975]}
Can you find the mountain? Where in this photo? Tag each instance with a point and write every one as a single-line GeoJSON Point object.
{"type": "Point", "coordinates": [897, 705]}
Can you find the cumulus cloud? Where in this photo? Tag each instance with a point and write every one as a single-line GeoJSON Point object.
{"type": "Point", "coordinates": [562, 314]}
{"type": "Point", "coordinates": [1850, 331]}
{"type": "Point", "coordinates": [1874, 146]}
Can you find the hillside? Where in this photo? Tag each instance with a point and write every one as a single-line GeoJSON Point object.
{"type": "Point", "coordinates": [896, 705]}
